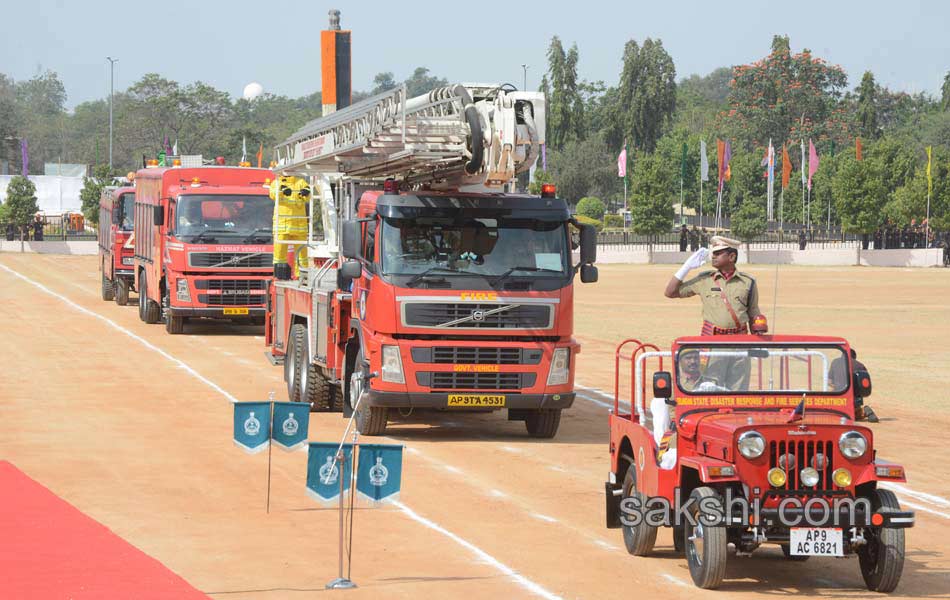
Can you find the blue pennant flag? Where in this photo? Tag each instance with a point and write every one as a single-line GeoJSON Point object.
{"type": "Point", "coordinates": [379, 474]}
{"type": "Point", "coordinates": [252, 425]}
{"type": "Point", "coordinates": [323, 473]}
{"type": "Point", "coordinates": [291, 420]}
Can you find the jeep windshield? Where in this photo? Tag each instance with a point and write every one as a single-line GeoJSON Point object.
{"type": "Point", "coordinates": [755, 369]}
{"type": "Point", "coordinates": [226, 219]}
{"type": "Point", "coordinates": [494, 249]}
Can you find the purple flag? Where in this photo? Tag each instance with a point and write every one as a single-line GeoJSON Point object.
{"type": "Point", "coordinates": [25, 157]}
{"type": "Point", "coordinates": [167, 147]}
{"type": "Point", "coordinates": [622, 163]}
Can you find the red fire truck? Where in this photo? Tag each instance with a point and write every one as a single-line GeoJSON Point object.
{"type": "Point", "coordinates": [444, 292]}
{"type": "Point", "coordinates": [762, 448]}
{"type": "Point", "coordinates": [115, 243]}
{"type": "Point", "coordinates": [203, 244]}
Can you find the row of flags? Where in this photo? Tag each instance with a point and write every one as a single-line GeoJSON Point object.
{"type": "Point", "coordinates": [286, 424]}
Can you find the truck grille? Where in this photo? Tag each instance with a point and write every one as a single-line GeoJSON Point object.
{"type": "Point", "coordinates": [518, 316]}
{"type": "Point", "coordinates": [234, 260]}
{"type": "Point", "coordinates": [803, 452]}
{"type": "Point", "coordinates": [232, 292]}
{"type": "Point", "coordinates": [468, 355]}
{"type": "Point", "coordinates": [448, 380]}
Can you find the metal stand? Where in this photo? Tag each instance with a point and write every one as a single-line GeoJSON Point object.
{"type": "Point", "coordinates": [270, 445]}
{"type": "Point", "coordinates": [341, 582]}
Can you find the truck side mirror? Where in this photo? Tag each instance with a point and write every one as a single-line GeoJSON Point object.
{"type": "Point", "coordinates": [662, 384]}
{"type": "Point", "coordinates": [588, 244]}
{"type": "Point", "coordinates": [158, 215]}
{"type": "Point", "coordinates": [588, 274]}
{"type": "Point", "coordinates": [351, 269]}
{"type": "Point", "coordinates": [861, 381]}
{"type": "Point", "coordinates": [351, 239]}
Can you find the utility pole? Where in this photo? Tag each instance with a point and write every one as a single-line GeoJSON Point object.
{"type": "Point", "coordinates": [112, 62]}
{"type": "Point", "coordinates": [524, 80]}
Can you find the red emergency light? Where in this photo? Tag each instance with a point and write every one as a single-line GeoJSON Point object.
{"type": "Point", "coordinates": [548, 190]}
{"type": "Point", "coordinates": [390, 186]}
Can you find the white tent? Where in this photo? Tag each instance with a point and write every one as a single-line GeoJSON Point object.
{"type": "Point", "coordinates": [54, 195]}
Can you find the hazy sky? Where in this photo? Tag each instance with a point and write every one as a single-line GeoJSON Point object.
{"type": "Point", "coordinates": [276, 42]}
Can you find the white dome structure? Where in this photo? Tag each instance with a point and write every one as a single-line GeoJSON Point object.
{"type": "Point", "coordinates": [253, 90]}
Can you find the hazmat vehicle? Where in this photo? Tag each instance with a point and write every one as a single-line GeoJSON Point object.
{"type": "Point", "coordinates": [116, 256]}
{"type": "Point", "coordinates": [762, 447]}
{"type": "Point", "coordinates": [203, 246]}
{"type": "Point", "coordinates": [435, 288]}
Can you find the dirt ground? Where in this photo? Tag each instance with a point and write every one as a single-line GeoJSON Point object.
{"type": "Point", "coordinates": [124, 422]}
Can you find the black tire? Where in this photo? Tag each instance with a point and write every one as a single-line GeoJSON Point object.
{"type": "Point", "coordinates": [108, 291]}
{"type": "Point", "coordinates": [122, 292]}
{"type": "Point", "coordinates": [543, 423]}
{"type": "Point", "coordinates": [173, 324]}
{"type": "Point", "coordinates": [707, 551]}
{"type": "Point", "coordinates": [882, 558]}
{"type": "Point", "coordinates": [294, 361]}
{"type": "Point", "coordinates": [319, 389]}
{"type": "Point", "coordinates": [639, 539]}
{"type": "Point", "coordinates": [679, 544]}
{"type": "Point", "coordinates": [149, 310]}
{"type": "Point", "coordinates": [787, 553]}
{"type": "Point", "coordinates": [141, 296]}
{"type": "Point", "coordinates": [370, 420]}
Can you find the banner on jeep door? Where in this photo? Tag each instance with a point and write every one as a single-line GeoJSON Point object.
{"type": "Point", "coordinates": [291, 421]}
{"type": "Point", "coordinates": [323, 472]}
{"type": "Point", "coordinates": [379, 473]}
{"type": "Point", "coordinates": [252, 425]}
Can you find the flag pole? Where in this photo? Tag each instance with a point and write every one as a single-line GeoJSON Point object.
{"type": "Point", "coordinates": [700, 200]}
{"type": "Point", "coordinates": [927, 226]}
{"type": "Point", "coordinates": [681, 199]}
{"type": "Point", "coordinates": [270, 445]}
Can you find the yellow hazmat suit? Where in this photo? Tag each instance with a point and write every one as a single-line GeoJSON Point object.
{"type": "Point", "coordinates": [291, 196]}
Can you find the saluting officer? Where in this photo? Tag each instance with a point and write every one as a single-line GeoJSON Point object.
{"type": "Point", "coordinates": [730, 298]}
{"type": "Point", "coordinates": [730, 303]}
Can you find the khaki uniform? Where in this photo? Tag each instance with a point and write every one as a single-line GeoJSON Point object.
{"type": "Point", "coordinates": [742, 294]}
{"type": "Point", "coordinates": [740, 290]}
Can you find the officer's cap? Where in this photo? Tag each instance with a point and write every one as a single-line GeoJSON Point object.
{"type": "Point", "coordinates": [719, 242]}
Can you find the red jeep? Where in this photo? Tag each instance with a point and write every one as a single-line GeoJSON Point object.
{"type": "Point", "coordinates": [748, 440]}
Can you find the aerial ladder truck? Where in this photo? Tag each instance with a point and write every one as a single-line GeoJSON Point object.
{"type": "Point", "coordinates": [434, 287]}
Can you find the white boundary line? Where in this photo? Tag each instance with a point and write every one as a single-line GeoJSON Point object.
{"type": "Point", "coordinates": [487, 558]}
{"type": "Point", "coordinates": [481, 554]}
{"type": "Point", "coordinates": [178, 362]}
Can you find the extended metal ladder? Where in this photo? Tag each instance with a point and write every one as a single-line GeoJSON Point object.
{"type": "Point", "coordinates": [465, 134]}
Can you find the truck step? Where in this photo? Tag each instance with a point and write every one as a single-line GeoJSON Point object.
{"type": "Point", "coordinates": [274, 359]}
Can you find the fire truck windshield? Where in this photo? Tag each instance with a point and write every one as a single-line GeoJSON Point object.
{"type": "Point", "coordinates": [754, 369]}
{"type": "Point", "coordinates": [487, 247]}
{"type": "Point", "coordinates": [126, 204]}
{"type": "Point", "coordinates": [223, 219]}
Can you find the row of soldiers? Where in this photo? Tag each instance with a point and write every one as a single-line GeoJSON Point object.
{"type": "Point", "coordinates": [909, 236]}
{"type": "Point", "coordinates": [24, 232]}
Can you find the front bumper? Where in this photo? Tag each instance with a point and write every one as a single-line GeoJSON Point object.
{"type": "Point", "coordinates": [441, 400]}
{"type": "Point", "coordinates": [845, 518]}
{"type": "Point", "coordinates": [215, 313]}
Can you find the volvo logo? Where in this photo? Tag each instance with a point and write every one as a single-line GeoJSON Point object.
{"type": "Point", "coordinates": [478, 315]}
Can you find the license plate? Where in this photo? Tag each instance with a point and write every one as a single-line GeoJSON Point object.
{"type": "Point", "coordinates": [235, 311]}
{"type": "Point", "coordinates": [475, 400]}
{"type": "Point", "coordinates": [805, 541]}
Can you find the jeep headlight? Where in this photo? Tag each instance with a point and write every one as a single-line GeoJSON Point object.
{"type": "Point", "coordinates": [392, 365]}
{"type": "Point", "coordinates": [751, 444]}
{"type": "Point", "coordinates": [853, 445]}
{"type": "Point", "coordinates": [560, 371]}
{"type": "Point", "coordinates": [182, 288]}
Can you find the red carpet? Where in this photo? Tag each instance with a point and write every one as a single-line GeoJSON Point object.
{"type": "Point", "coordinates": [48, 549]}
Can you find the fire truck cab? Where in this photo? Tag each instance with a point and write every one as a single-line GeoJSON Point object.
{"type": "Point", "coordinates": [443, 291]}
{"type": "Point", "coordinates": [751, 440]}
{"type": "Point", "coordinates": [116, 256]}
{"type": "Point", "coordinates": [203, 243]}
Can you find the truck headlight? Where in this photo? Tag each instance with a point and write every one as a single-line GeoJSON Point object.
{"type": "Point", "coordinates": [182, 288]}
{"type": "Point", "coordinates": [392, 365]}
{"type": "Point", "coordinates": [751, 444]}
{"type": "Point", "coordinates": [560, 371]}
{"type": "Point", "coordinates": [853, 445]}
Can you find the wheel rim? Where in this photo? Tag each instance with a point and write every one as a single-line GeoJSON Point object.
{"type": "Point", "coordinates": [292, 366]}
{"type": "Point", "coordinates": [696, 544]}
{"type": "Point", "coordinates": [303, 380]}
